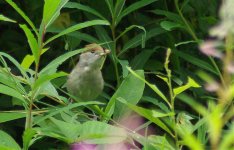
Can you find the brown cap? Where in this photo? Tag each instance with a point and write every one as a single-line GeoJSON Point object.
{"type": "Point", "coordinates": [96, 47]}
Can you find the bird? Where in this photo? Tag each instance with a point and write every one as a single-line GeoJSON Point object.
{"type": "Point", "coordinates": [85, 81]}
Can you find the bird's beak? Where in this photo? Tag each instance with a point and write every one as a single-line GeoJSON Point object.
{"type": "Point", "coordinates": [105, 52]}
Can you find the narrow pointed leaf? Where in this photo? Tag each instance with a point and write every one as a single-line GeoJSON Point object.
{"type": "Point", "coordinates": [84, 8]}
{"type": "Point", "coordinates": [78, 27]}
{"type": "Point", "coordinates": [10, 92]}
{"type": "Point", "coordinates": [133, 7]}
{"type": "Point", "coordinates": [52, 66]}
{"type": "Point", "coordinates": [29, 59]}
{"type": "Point", "coordinates": [32, 43]}
{"type": "Point", "coordinates": [4, 117]}
{"type": "Point", "coordinates": [191, 83]}
{"type": "Point", "coordinates": [52, 10]}
{"type": "Point", "coordinates": [45, 78]}
{"type": "Point", "coordinates": [152, 86]}
{"type": "Point", "coordinates": [101, 133]}
{"type": "Point", "coordinates": [110, 5]}
{"type": "Point", "coordinates": [22, 14]}
{"type": "Point", "coordinates": [4, 18]}
{"type": "Point", "coordinates": [17, 65]}
{"type": "Point", "coordinates": [7, 142]}
{"type": "Point", "coordinates": [28, 137]}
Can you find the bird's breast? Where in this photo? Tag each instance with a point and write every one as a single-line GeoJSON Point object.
{"type": "Point", "coordinates": [85, 84]}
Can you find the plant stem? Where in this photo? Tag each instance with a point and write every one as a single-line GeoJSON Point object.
{"type": "Point", "coordinates": [40, 44]}
{"type": "Point", "coordinates": [115, 53]}
{"type": "Point", "coordinates": [29, 118]}
{"type": "Point", "coordinates": [228, 59]}
{"type": "Point", "coordinates": [217, 69]}
{"type": "Point", "coordinates": [190, 30]}
{"type": "Point", "coordinates": [116, 73]}
{"type": "Point", "coordinates": [171, 93]}
{"type": "Point", "coordinates": [172, 99]}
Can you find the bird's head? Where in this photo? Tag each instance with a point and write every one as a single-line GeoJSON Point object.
{"type": "Point", "coordinates": [94, 57]}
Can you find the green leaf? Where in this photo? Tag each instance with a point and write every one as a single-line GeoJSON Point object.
{"type": "Point", "coordinates": [118, 8]}
{"type": "Point", "coordinates": [48, 89]}
{"type": "Point", "coordinates": [70, 131]}
{"type": "Point", "coordinates": [215, 121]}
{"type": "Point", "coordinates": [191, 141]}
{"type": "Point", "coordinates": [186, 42]}
{"type": "Point", "coordinates": [133, 7]}
{"type": "Point", "coordinates": [149, 114]}
{"type": "Point", "coordinates": [29, 59]}
{"type": "Point", "coordinates": [50, 130]}
{"type": "Point", "coordinates": [83, 36]}
{"type": "Point", "coordinates": [158, 114]}
{"type": "Point", "coordinates": [4, 18]}
{"type": "Point", "coordinates": [22, 14]}
{"type": "Point", "coordinates": [152, 86]}
{"type": "Point", "coordinates": [96, 132]}
{"type": "Point", "coordinates": [165, 79]}
{"type": "Point", "coordinates": [2, 147]}
{"type": "Point", "coordinates": [192, 103]}
{"type": "Point", "coordinates": [93, 132]}
{"type": "Point", "coordinates": [4, 117]}
{"type": "Point", "coordinates": [137, 40]}
{"type": "Point", "coordinates": [56, 111]}
{"type": "Point", "coordinates": [140, 60]}
{"type": "Point", "coordinates": [7, 142]}
{"type": "Point", "coordinates": [110, 6]}
{"type": "Point", "coordinates": [189, 84]}
{"type": "Point", "coordinates": [168, 25]}
{"type": "Point", "coordinates": [157, 103]}
{"type": "Point", "coordinates": [160, 143]}
{"type": "Point", "coordinates": [28, 140]}
{"type": "Point", "coordinates": [124, 64]}
{"type": "Point", "coordinates": [130, 89]}
{"type": "Point", "coordinates": [170, 15]}
{"type": "Point", "coordinates": [184, 124]}
{"type": "Point", "coordinates": [53, 65]}
{"type": "Point", "coordinates": [84, 8]}
{"type": "Point", "coordinates": [104, 37]}
{"type": "Point", "coordinates": [15, 63]}
{"type": "Point", "coordinates": [32, 43]}
{"type": "Point", "coordinates": [8, 80]}
{"type": "Point", "coordinates": [11, 92]}
{"type": "Point", "coordinates": [45, 78]}
{"type": "Point", "coordinates": [51, 11]}
{"type": "Point", "coordinates": [197, 62]}
{"type": "Point", "coordinates": [227, 140]}
{"type": "Point", "coordinates": [130, 28]}
{"type": "Point", "coordinates": [202, 130]}
{"type": "Point", "coordinates": [78, 27]}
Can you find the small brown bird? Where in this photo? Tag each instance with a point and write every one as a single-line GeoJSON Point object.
{"type": "Point", "coordinates": [85, 81]}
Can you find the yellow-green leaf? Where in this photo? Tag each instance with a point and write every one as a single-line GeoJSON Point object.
{"type": "Point", "coordinates": [32, 42]}
{"type": "Point", "coordinates": [4, 18]}
{"type": "Point", "coordinates": [29, 59]}
{"type": "Point", "coordinates": [191, 83]}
